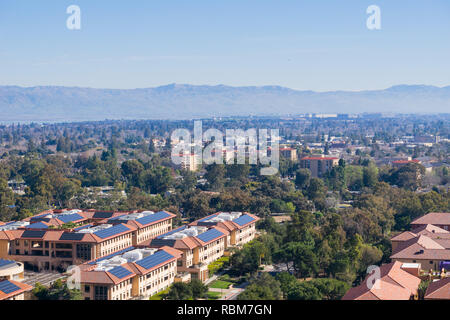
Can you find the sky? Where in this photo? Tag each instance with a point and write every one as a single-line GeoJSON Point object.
{"type": "Point", "coordinates": [321, 45]}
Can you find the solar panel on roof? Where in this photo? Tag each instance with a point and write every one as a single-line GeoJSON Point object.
{"type": "Point", "coordinates": [153, 217]}
{"type": "Point", "coordinates": [102, 214]}
{"type": "Point", "coordinates": [154, 260]}
{"type": "Point", "coordinates": [8, 287]}
{"type": "Point", "coordinates": [158, 242]}
{"type": "Point", "coordinates": [5, 262]}
{"type": "Point", "coordinates": [243, 220]}
{"type": "Point", "coordinates": [37, 225]}
{"type": "Point", "coordinates": [120, 272]}
{"type": "Point", "coordinates": [210, 235]}
{"type": "Point", "coordinates": [111, 255]}
{"type": "Point", "coordinates": [106, 233]}
{"type": "Point", "coordinates": [70, 217]}
{"type": "Point", "coordinates": [71, 236]}
{"type": "Point", "coordinates": [38, 217]}
{"type": "Point", "coordinates": [33, 234]}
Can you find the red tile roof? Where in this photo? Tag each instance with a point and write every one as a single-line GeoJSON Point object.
{"type": "Point", "coordinates": [22, 288]}
{"type": "Point", "coordinates": [435, 218]}
{"type": "Point", "coordinates": [438, 290]}
{"type": "Point", "coordinates": [394, 284]}
{"type": "Point", "coordinates": [405, 161]}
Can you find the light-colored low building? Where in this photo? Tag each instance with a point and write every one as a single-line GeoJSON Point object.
{"type": "Point", "coordinates": [199, 245]}
{"type": "Point", "coordinates": [41, 243]}
{"type": "Point", "coordinates": [240, 225]}
{"type": "Point", "coordinates": [11, 270]}
{"type": "Point", "coordinates": [133, 274]}
{"type": "Point", "coordinates": [427, 244]}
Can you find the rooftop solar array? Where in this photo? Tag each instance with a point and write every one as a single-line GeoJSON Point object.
{"type": "Point", "coordinates": [154, 260]}
{"type": "Point", "coordinates": [37, 225]}
{"type": "Point", "coordinates": [5, 262]}
{"type": "Point", "coordinates": [66, 218]}
{"type": "Point", "coordinates": [33, 234]}
{"type": "Point", "coordinates": [40, 216]}
{"type": "Point", "coordinates": [120, 272]}
{"type": "Point", "coordinates": [210, 235]}
{"type": "Point", "coordinates": [153, 218]}
{"type": "Point", "coordinates": [106, 233]}
{"type": "Point", "coordinates": [243, 220]}
{"type": "Point", "coordinates": [159, 242]}
{"type": "Point", "coordinates": [8, 287]}
{"type": "Point", "coordinates": [72, 236]}
{"type": "Point", "coordinates": [111, 255]}
{"type": "Point", "coordinates": [103, 214]}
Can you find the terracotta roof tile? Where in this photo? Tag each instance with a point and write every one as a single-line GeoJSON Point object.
{"type": "Point", "coordinates": [394, 284]}
{"type": "Point", "coordinates": [435, 218]}
{"type": "Point", "coordinates": [438, 290]}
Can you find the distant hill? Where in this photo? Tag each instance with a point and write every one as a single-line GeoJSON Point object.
{"type": "Point", "coordinates": [179, 101]}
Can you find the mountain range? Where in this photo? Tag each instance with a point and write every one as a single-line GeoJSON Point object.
{"type": "Point", "coordinates": [182, 101]}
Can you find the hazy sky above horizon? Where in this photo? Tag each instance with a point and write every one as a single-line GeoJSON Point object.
{"type": "Point", "coordinates": [317, 45]}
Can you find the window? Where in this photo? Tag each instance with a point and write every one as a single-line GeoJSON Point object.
{"type": "Point", "coordinates": [84, 251]}
{"type": "Point", "coordinates": [101, 293]}
{"type": "Point", "coordinates": [87, 289]}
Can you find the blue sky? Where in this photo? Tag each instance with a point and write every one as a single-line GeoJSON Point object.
{"type": "Point", "coordinates": [302, 44]}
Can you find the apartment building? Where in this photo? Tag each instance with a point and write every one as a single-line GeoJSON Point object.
{"type": "Point", "coordinates": [241, 226]}
{"type": "Point", "coordinates": [190, 162]}
{"type": "Point", "coordinates": [148, 224]}
{"type": "Point", "coordinates": [289, 153]}
{"type": "Point", "coordinates": [132, 273]}
{"type": "Point", "coordinates": [318, 165]}
{"type": "Point", "coordinates": [199, 246]}
{"type": "Point", "coordinates": [42, 245]}
{"type": "Point", "coordinates": [428, 245]}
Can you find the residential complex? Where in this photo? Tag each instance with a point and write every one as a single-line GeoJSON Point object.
{"type": "Point", "coordinates": [129, 274]}
{"type": "Point", "coordinates": [427, 244]}
{"type": "Point", "coordinates": [420, 254]}
{"type": "Point", "coordinates": [121, 255]}
{"type": "Point", "coordinates": [318, 165]}
{"type": "Point", "coordinates": [42, 244]}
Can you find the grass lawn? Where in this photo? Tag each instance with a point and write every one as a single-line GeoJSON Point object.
{"type": "Point", "coordinates": [213, 295]}
{"type": "Point", "coordinates": [159, 295]}
{"type": "Point", "coordinates": [220, 284]}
